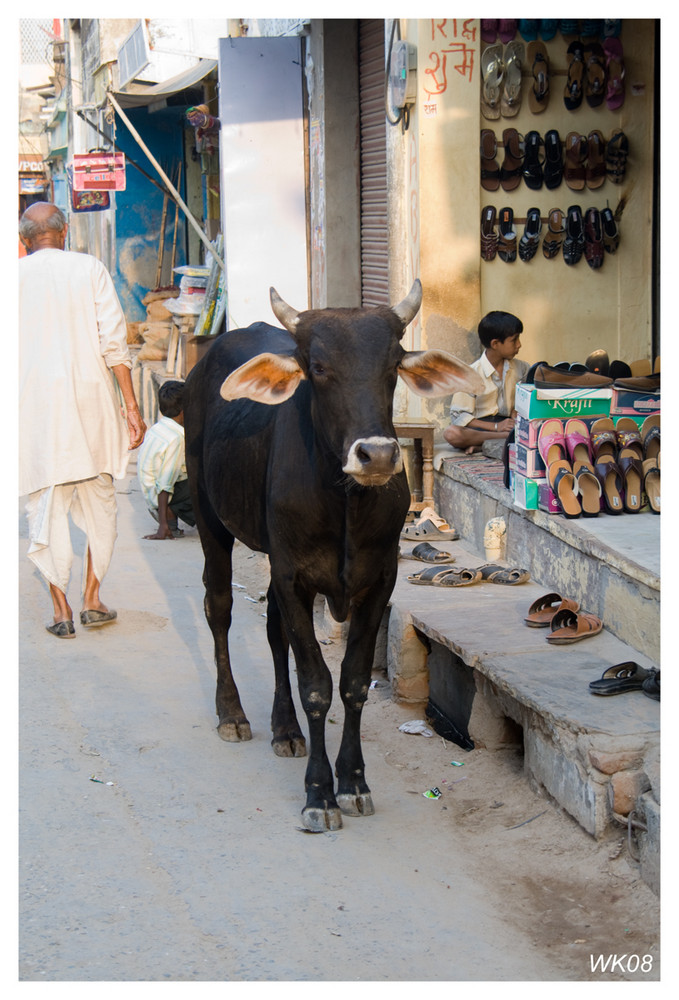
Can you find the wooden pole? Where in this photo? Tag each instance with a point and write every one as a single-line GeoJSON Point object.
{"type": "Point", "coordinates": [178, 198]}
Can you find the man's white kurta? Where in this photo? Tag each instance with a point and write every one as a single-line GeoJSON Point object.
{"type": "Point", "coordinates": [72, 332]}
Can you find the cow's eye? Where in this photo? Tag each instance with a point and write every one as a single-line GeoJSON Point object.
{"type": "Point", "coordinates": [317, 370]}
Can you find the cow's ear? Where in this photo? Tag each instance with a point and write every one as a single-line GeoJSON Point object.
{"type": "Point", "coordinates": [267, 378]}
{"type": "Point", "coordinates": [437, 373]}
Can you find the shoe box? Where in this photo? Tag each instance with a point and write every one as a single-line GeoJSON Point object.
{"type": "Point", "coordinates": [534, 403]}
{"type": "Point", "coordinates": [628, 403]}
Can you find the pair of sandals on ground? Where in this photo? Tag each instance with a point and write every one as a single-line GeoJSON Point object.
{"type": "Point", "coordinates": [561, 614]}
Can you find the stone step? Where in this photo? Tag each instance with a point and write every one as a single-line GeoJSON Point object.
{"type": "Point", "coordinates": [487, 679]}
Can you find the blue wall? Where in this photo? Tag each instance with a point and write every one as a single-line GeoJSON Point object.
{"type": "Point", "coordinates": [139, 208]}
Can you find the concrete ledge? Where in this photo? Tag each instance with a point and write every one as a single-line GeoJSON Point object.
{"type": "Point", "coordinates": [500, 682]}
{"type": "Point", "coordinates": [612, 564]}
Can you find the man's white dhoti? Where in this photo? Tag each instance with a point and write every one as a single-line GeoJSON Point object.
{"type": "Point", "coordinates": [92, 504]}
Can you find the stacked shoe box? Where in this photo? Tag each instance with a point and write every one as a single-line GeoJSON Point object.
{"type": "Point", "coordinates": [533, 406]}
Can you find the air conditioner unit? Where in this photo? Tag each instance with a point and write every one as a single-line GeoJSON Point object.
{"type": "Point", "coordinates": [133, 55]}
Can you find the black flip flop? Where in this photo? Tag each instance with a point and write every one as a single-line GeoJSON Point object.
{"type": "Point", "coordinates": [428, 554]}
{"type": "Point", "coordinates": [622, 677]}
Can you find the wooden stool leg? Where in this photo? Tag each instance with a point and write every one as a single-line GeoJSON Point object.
{"type": "Point", "coordinates": [428, 470]}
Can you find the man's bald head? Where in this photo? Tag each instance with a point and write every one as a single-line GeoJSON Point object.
{"type": "Point", "coordinates": [42, 226]}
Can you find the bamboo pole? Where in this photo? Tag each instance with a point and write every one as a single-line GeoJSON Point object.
{"type": "Point", "coordinates": [175, 194]}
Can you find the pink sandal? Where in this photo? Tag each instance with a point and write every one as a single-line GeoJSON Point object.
{"type": "Point", "coordinates": [615, 71]}
{"type": "Point", "coordinates": [578, 444]}
{"type": "Point", "coordinates": [551, 442]}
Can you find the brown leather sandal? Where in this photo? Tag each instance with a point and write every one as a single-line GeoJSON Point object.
{"type": "Point", "coordinates": [542, 611]}
{"type": "Point", "coordinates": [490, 169]}
{"type": "Point", "coordinates": [574, 170]}
{"type": "Point", "coordinates": [596, 160]}
{"type": "Point", "coordinates": [506, 246]}
{"type": "Point", "coordinates": [570, 626]}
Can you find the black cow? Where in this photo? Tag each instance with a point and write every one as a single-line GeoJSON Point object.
{"type": "Point", "coordinates": [317, 482]}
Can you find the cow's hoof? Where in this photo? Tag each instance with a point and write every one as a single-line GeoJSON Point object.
{"type": "Point", "coordinates": [293, 746]}
{"type": "Point", "coordinates": [321, 820]}
{"type": "Point", "coordinates": [356, 805]}
{"type": "Point", "coordinates": [235, 732]}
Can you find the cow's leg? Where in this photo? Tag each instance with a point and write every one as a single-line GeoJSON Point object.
{"type": "Point", "coordinates": [288, 740]}
{"type": "Point", "coordinates": [217, 544]}
{"type": "Point", "coordinates": [353, 794]}
{"type": "Point", "coordinates": [321, 811]}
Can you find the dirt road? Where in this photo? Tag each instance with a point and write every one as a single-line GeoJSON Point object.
{"type": "Point", "coordinates": [151, 850]}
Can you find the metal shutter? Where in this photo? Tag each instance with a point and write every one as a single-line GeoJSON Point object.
{"type": "Point", "coordinates": [374, 253]}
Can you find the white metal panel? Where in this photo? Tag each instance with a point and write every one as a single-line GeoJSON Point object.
{"type": "Point", "coordinates": [262, 175]}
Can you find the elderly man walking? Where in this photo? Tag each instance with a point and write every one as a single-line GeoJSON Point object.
{"type": "Point", "coordinates": [73, 437]}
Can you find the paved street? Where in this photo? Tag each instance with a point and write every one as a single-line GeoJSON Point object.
{"type": "Point", "coordinates": [151, 850]}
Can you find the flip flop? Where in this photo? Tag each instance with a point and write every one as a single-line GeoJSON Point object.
{"type": "Point", "coordinates": [615, 67]}
{"type": "Point", "coordinates": [565, 488]}
{"type": "Point", "coordinates": [514, 57]}
{"type": "Point", "coordinates": [632, 471]}
{"type": "Point", "coordinates": [551, 441]}
{"type": "Point", "coordinates": [512, 164]}
{"type": "Point", "coordinates": [575, 171]}
{"type": "Point", "coordinates": [595, 86]}
{"type": "Point", "coordinates": [62, 630]}
{"type": "Point", "coordinates": [650, 436]}
{"type": "Point", "coordinates": [542, 611]}
{"type": "Point", "coordinates": [490, 168]}
{"type": "Point", "coordinates": [602, 436]}
{"type": "Point", "coordinates": [427, 553]}
{"type": "Point", "coordinates": [572, 94]}
{"type": "Point", "coordinates": [533, 174]}
{"type": "Point", "coordinates": [611, 479]}
{"type": "Point", "coordinates": [589, 488]}
{"type": "Point", "coordinates": [596, 160]}
{"type": "Point", "coordinates": [553, 168]}
{"type": "Point", "coordinates": [538, 95]}
{"type": "Point", "coordinates": [652, 484]}
{"type": "Point", "coordinates": [570, 626]}
{"type": "Point", "coordinates": [458, 578]}
{"type": "Point", "coordinates": [578, 443]}
{"type": "Point", "coordinates": [427, 577]}
{"type": "Point", "coordinates": [629, 436]}
{"type": "Point", "coordinates": [506, 29]}
{"type": "Point", "coordinates": [501, 574]}
{"type": "Point", "coordinates": [94, 619]}
{"type": "Point", "coordinates": [492, 72]}
{"type": "Point", "coordinates": [627, 676]}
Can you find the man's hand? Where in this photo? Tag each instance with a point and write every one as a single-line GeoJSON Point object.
{"type": "Point", "coordinates": [136, 427]}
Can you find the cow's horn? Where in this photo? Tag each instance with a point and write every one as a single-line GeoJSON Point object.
{"type": "Point", "coordinates": [407, 309]}
{"type": "Point", "coordinates": [284, 313]}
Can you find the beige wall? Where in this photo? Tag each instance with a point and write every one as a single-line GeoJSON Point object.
{"type": "Point", "coordinates": [567, 311]}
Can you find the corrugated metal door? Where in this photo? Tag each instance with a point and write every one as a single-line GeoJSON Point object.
{"type": "Point", "coordinates": [374, 252]}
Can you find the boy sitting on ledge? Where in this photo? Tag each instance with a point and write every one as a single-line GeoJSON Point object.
{"type": "Point", "coordinates": [490, 415]}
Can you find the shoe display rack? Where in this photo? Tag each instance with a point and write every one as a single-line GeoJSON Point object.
{"type": "Point", "coordinates": [516, 72]}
